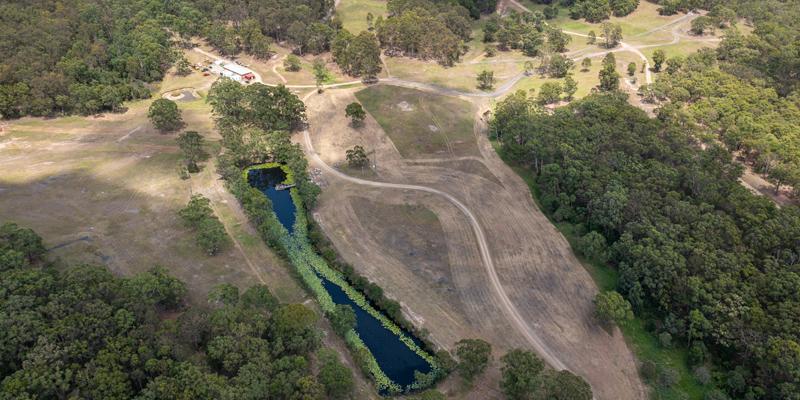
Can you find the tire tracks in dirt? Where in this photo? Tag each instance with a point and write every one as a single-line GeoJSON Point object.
{"type": "Point", "coordinates": [507, 305]}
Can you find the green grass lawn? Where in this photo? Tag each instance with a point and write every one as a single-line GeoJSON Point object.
{"type": "Point", "coordinates": [644, 343]}
{"type": "Point", "coordinates": [680, 49]}
{"type": "Point", "coordinates": [421, 124]}
{"type": "Point", "coordinates": [353, 13]}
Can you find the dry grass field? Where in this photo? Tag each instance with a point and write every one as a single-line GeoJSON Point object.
{"type": "Point", "coordinates": [353, 13]}
{"type": "Point", "coordinates": [106, 190]}
{"type": "Point", "coordinates": [440, 125]}
{"type": "Point", "coordinates": [390, 236]}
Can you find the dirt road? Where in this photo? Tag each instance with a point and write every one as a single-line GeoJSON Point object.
{"type": "Point", "coordinates": [508, 307]}
{"type": "Point", "coordinates": [510, 277]}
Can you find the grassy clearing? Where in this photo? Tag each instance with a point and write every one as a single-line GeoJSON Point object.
{"type": "Point", "coordinates": [421, 124]}
{"type": "Point", "coordinates": [644, 343]}
{"type": "Point", "coordinates": [107, 190]}
{"type": "Point", "coordinates": [680, 49]}
{"type": "Point", "coordinates": [645, 18]}
{"type": "Point", "coordinates": [353, 13]}
{"type": "Point", "coordinates": [586, 80]}
{"type": "Point", "coordinates": [461, 77]}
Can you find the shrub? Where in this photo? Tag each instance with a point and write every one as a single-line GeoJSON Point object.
{"type": "Point", "coordinates": [702, 374]}
{"type": "Point", "coordinates": [291, 63]}
{"type": "Point", "coordinates": [210, 233]}
{"type": "Point", "coordinates": [649, 371]}
{"type": "Point", "coordinates": [334, 376]}
{"type": "Point", "coordinates": [668, 377]}
{"type": "Point", "coordinates": [665, 340]}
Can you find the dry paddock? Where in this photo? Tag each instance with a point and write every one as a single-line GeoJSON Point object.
{"type": "Point", "coordinates": [449, 294]}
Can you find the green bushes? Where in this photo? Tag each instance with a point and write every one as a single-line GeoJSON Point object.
{"type": "Point", "coordinates": [335, 377]}
{"type": "Point", "coordinates": [19, 246]}
{"type": "Point", "coordinates": [209, 231]}
{"type": "Point", "coordinates": [83, 330]}
{"type": "Point", "coordinates": [685, 238]}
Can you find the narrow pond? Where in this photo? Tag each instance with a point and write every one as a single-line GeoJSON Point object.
{"type": "Point", "coordinates": [394, 357]}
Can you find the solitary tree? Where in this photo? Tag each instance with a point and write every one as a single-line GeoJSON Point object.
{"type": "Point", "coordinates": [357, 157]}
{"type": "Point", "coordinates": [612, 34]}
{"type": "Point", "coordinates": [558, 40]}
{"type": "Point", "coordinates": [291, 63]}
{"type": "Point", "coordinates": [191, 143]}
{"type": "Point", "coordinates": [569, 87]}
{"type": "Point", "coordinates": [210, 233]}
{"type": "Point", "coordinates": [473, 357]}
{"type": "Point", "coordinates": [631, 68]}
{"type": "Point", "coordinates": [334, 376]}
{"type": "Point", "coordinates": [611, 307]}
{"type": "Point", "coordinates": [165, 115]}
{"type": "Point", "coordinates": [658, 59]}
{"type": "Point", "coordinates": [549, 93]}
{"type": "Point", "coordinates": [522, 374]}
{"type": "Point", "coordinates": [342, 318]}
{"type": "Point", "coordinates": [592, 38]}
{"type": "Point", "coordinates": [564, 385]}
{"type": "Point", "coordinates": [559, 66]}
{"type": "Point", "coordinates": [609, 79]}
{"type": "Point", "coordinates": [702, 24]}
{"type": "Point", "coordinates": [586, 63]}
{"type": "Point", "coordinates": [370, 21]}
{"type": "Point", "coordinates": [182, 66]}
{"type": "Point", "coordinates": [320, 73]}
{"type": "Point", "coordinates": [356, 113]}
{"type": "Point", "coordinates": [528, 66]}
{"type": "Point", "coordinates": [784, 173]}
{"type": "Point", "coordinates": [485, 80]}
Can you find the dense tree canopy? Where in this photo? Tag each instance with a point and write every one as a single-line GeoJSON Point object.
{"type": "Point", "coordinates": [748, 118]}
{"type": "Point", "coordinates": [357, 55]}
{"type": "Point", "coordinates": [81, 332]}
{"type": "Point", "coordinates": [598, 10]}
{"type": "Point", "coordinates": [525, 377]}
{"type": "Point", "coordinates": [89, 56]}
{"type": "Point", "coordinates": [711, 264]}
{"type": "Point", "coordinates": [426, 29]}
{"type": "Point", "coordinates": [256, 122]}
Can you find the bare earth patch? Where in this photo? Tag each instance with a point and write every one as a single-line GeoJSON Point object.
{"type": "Point", "coordinates": [537, 269]}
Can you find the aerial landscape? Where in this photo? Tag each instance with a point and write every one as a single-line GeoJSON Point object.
{"type": "Point", "coordinates": [412, 199]}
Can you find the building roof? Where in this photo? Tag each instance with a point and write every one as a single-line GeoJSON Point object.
{"type": "Point", "coordinates": [236, 69]}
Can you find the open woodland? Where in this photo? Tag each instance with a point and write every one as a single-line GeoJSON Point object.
{"type": "Point", "coordinates": [566, 199]}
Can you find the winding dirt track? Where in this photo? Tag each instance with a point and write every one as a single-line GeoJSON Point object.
{"type": "Point", "coordinates": [508, 307]}
{"type": "Point", "coordinates": [514, 279]}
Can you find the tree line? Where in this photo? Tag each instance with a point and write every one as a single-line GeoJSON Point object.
{"type": "Point", "coordinates": [425, 29]}
{"type": "Point", "coordinates": [81, 332]}
{"type": "Point", "coordinates": [704, 262]}
{"type": "Point", "coordinates": [591, 10]}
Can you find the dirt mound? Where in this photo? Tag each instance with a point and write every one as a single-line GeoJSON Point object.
{"type": "Point", "coordinates": [185, 94]}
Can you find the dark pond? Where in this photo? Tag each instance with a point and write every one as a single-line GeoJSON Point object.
{"type": "Point", "coordinates": [265, 179]}
{"type": "Point", "coordinates": [396, 360]}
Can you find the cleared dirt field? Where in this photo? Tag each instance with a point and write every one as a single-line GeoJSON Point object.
{"type": "Point", "coordinates": [450, 295]}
